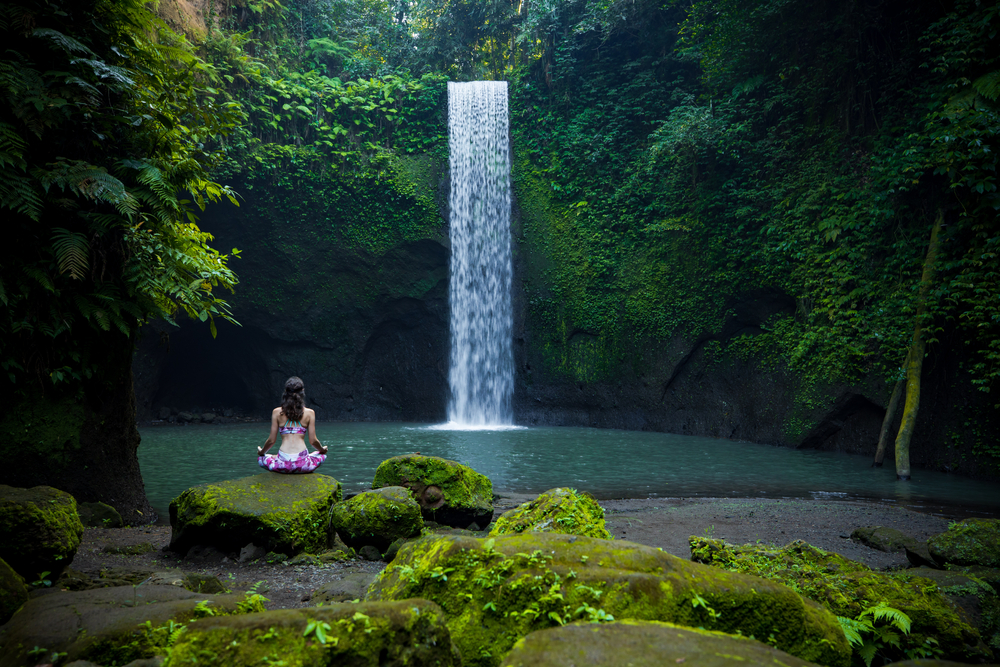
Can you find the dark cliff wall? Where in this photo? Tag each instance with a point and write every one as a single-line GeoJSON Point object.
{"type": "Point", "coordinates": [343, 282]}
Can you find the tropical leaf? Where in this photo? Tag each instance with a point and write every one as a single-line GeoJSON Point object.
{"type": "Point", "coordinates": [988, 85]}
{"type": "Point", "coordinates": [72, 252]}
{"type": "Point", "coordinates": [64, 42]}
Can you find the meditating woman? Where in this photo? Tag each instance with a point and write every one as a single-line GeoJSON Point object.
{"type": "Point", "coordinates": [292, 420]}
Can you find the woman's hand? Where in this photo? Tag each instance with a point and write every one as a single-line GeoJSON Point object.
{"type": "Point", "coordinates": [320, 448]}
{"type": "Point", "coordinates": [260, 451]}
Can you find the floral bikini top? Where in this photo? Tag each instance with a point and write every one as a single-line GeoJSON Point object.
{"type": "Point", "coordinates": [292, 428]}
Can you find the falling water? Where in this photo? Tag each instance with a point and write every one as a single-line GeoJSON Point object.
{"type": "Point", "coordinates": [482, 365]}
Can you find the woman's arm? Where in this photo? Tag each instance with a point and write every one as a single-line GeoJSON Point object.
{"type": "Point", "coordinates": [313, 440]}
{"type": "Point", "coordinates": [273, 437]}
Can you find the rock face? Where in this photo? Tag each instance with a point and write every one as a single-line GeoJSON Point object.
{"type": "Point", "coordinates": [352, 587]}
{"type": "Point", "coordinates": [282, 513]}
{"type": "Point", "coordinates": [497, 590]}
{"type": "Point", "coordinates": [13, 592]}
{"type": "Point", "coordinates": [103, 625]}
{"type": "Point", "coordinates": [447, 491]}
{"type": "Point", "coordinates": [968, 542]}
{"type": "Point", "coordinates": [376, 518]}
{"type": "Point", "coordinates": [555, 511]}
{"type": "Point", "coordinates": [99, 515]}
{"type": "Point", "coordinates": [39, 530]}
{"type": "Point", "coordinates": [410, 632]}
{"type": "Point", "coordinates": [642, 644]}
{"type": "Point", "coordinates": [847, 588]}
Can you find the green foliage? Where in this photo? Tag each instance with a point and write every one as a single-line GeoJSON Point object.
{"type": "Point", "coordinates": [875, 631]}
{"type": "Point", "coordinates": [109, 129]}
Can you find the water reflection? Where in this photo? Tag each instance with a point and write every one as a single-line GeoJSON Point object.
{"type": "Point", "coordinates": [607, 463]}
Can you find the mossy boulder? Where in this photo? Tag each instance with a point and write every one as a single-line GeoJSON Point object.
{"type": "Point", "coordinates": [555, 511]}
{"type": "Point", "coordinates": [495, 591]}
{"type": "Point", "coordinates": [447, 491]}
{"type": "Point", "coordinates": [104, 625]}
{"type": "Point", "coordinates": [13, 592]}
{"type": "Point", "coordinates": [883, 538]}
{"type": "Point", "coordinates": [99, 515]}
{"type": "Point", "coordinates": [968, 542]}
{"type": "Point", "coordinates": [847, 588]}
{"type": "Point", "coordinates": [408, 632]}
{"type": "Point", "coordinates": [376, 518]}
{"type": "Point", "coordinates": [642, 644]}
{"type": "Point", "coordinates": [282, 513]}
{"type": "Point", "coordinates": [40, 530]}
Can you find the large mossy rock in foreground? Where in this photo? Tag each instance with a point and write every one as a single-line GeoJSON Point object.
{"type": "Point", "coordinates": [40, 530]}
{"type": "Point", "coordinates": [448, 492]}
{"type": "Point", "coordinates": [555, 511]}
{"type": "Point", "coordinates": [13, 592]}
{"type": "Point", "coordinates": [104, 625]}
{"type": "Point", "coordinates": [377, 518]}
{"type": "Point", "coordinates": [410, 633]}
{"type": "Point", "coordinates": [497, 590]}
{"type": "Point", "coordinates": [968, 542]}
{"type": "Point", "coordinates": [847, 588]}
{"type": "Point", "coordinates": [281, 513]}
{"type": "Point", "coordinates": [642, 644]}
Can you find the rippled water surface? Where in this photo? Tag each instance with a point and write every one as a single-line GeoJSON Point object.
{"type": "Point", "coordinates": [607, 463]}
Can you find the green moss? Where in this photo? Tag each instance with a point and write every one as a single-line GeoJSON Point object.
{"type": "Point", "coordinates": [497, 590]}
{"type": "Point", "coordinates": [377, 517]}
{"type": "Point", "coordinates": [555, 511]}
{"type": "Point", "coordinates": [410, 633]}
{"type": "Point", "coordinates": [283, 513]}
{"type": "Point", "coordinates": [847, 588]}
{"type": "Point", "coordinates": [39, 530]}
{"type": "Point", "coordinates": [447, 491]}
{"type": "Point", "coordinates": [968, 542]}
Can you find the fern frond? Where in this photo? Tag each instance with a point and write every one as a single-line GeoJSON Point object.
{"type": "Point", "coordinates": [102, 320]}
{"type": "Point", "coordinates": [883, 612]}
{"type": "Point", "coordinates": [853, 629]}
{"type": "Point", "coordinates": [40, 277]}
{"type": "Point", "coordinates": [3, 294]}
{"type": "Point", "coordinates": [867, 653]}
{"type": "Point", "coordinates": [82, 178]}
{"type": "Point", "coordinates": [988, 86]}
{"type": "Point", "coordinates": [64, 42]}
{"type": "Point", "coordinates": [18, 193]}
{"type": "Point", "coordinates": [12, 147]}
{"type": "Point", "coordinates": [106, 72]}
{"type": "Point", "coordinates": [72, 252]}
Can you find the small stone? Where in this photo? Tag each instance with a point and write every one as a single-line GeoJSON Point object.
{"type": "Point", "coordinates": [252, 552]}
{"type": "Point", "coordinates": [128, 550]}
{"type": "Point", "coordinates": [99, 515]}
{"type": "Point", "coordinates": [185, 417]}
{"type": "Point", "coordinates": [208, 417]}
{"type": "Point", "coordinates": [227, 413]}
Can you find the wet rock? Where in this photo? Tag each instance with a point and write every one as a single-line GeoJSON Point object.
{"type": "Point", "coordinates": [847, 588]}
{"type": "Point", "coordinates": [208, 417]}
{"type": "Point", "coordinates": [186, 417]}
{"type": "Point", "coordinates": [447, 491]}
{"type": "Point", "coordinates": [393, 549]}
{"type": "Point", "coordinates": [968, 542]}
{"type": "Point", "coordinates": [192, 581]}
{"type": "Point", "coordinates": [368, 552]}
{"type": "Point", "coordinates": [283, 513]}
{"type": "Point", "coordinates": [252, 552]}
{"type": "Point", "coordinates": [411, 633]}
{"type": "Point", "coordinates": [103, 625]}
{"type": "Point", "coordinates": [497, 590]}
{"type": "Point", "coordinates": [642, 644]}
{"type": "Point", "coordinates": [40, 530]}
{"type": "Point", "coordinates": [555, 511]}
{"type": "Point", "coordinates": [163, 413]}
{"type": "Point", "coordinates": [920, 556]}
{"type": "Point", "coordinates": [376, 518]}
{"type": "Point", "coordinates": [305, 559]}
{"type": "Point", "coordinates": [13, 592]}
{"type": "Point", "coordinates": [352, 587]}
{"type": "Point", "coordinates": [99, 515]}
{"type": "Point", "coordinates": [883, 538]}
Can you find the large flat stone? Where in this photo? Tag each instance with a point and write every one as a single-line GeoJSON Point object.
{"type": "Point", "coordinates": [642, 644]}
{"type": "Point", "coordinates": [448, 492]}
{"type": "Point", "coordinates": [90, 624]}
{"type": "Point", "coordinates": [281, 513]}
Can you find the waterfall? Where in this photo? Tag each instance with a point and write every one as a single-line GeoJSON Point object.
{"type": "Point", "coordinates": [481, 375]}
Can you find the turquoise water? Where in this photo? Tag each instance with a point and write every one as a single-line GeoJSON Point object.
{"type": "Point", "coordinates": [607, 463]}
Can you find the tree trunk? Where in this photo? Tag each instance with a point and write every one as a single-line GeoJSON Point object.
{"type": "Point", "coordinates": [84, 442]}
{"type": "Point", "coordinates": [890, 415]}
{"type": "Point", "coordinates": [915, 359]}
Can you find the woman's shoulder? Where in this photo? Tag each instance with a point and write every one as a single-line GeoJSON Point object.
{"type": "Point", "coordinates": [308, 412]}
{"type": "Point", "coordinates": [276, 411]}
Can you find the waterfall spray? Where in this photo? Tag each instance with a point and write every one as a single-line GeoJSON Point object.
{"type": "Point", "coordinates": [481, 375]}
